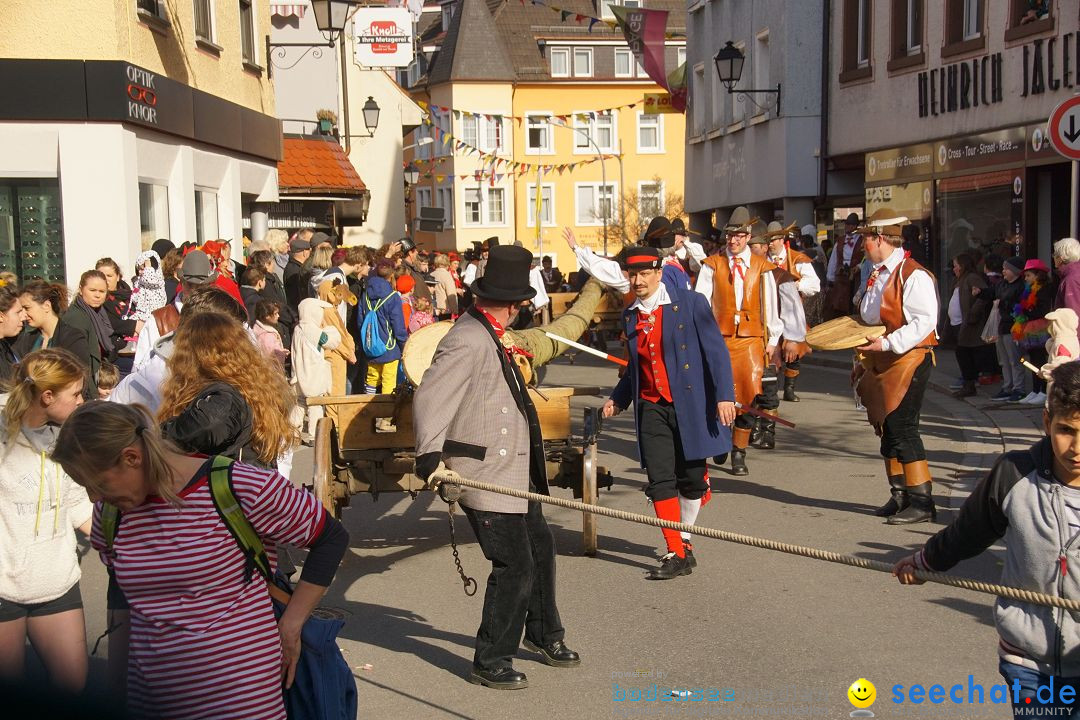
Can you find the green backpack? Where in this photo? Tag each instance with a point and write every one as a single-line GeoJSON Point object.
{"type": "Point", "coordinates": [231, 513]}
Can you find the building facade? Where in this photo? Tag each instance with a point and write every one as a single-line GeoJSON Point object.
{"type": "Point", "coordinates": [744, 150]}
{"type": "Point", "coordinates": [154, 120]}
{"type": "Point", "coordinates": [524, 99]}
{"type": "Point", "coordinates": [939, 110]}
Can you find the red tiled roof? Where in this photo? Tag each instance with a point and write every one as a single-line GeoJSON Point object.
{"type": "Point", "coordinates": [315, 165]}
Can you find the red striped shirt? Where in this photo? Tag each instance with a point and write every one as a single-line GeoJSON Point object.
{"type": "Point", "coordinates": [203, 643]}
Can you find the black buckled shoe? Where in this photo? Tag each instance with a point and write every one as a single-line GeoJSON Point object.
{"type": "Point", "coordinates": [555, 654]}
{"type": "Point", "coordinates": [671, 566]}
{"type": "Point", "coordinates": [738, 462]}
{"type": "Point", "coordinates": [688, 551]}
{"type": "Point", "coordinates": [768, 435]}
{"type": "Point", "coordinates": [500, 678]}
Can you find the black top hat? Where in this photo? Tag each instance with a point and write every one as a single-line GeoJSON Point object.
{"type": "Point", "coordinates": [852, 219]}
{"type": "Point", "coordinates": [492, 241]}
{"type": "Point", "coordinates": [677, 226]}
{"type": "Point", "coordinates": [506, 277]}
{"type": "Point", "coordinates": [640, 257]}
{"type": "Point", "coordinates": [659, 234]}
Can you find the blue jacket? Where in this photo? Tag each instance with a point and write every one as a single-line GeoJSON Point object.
{"type": "Point", "coordinates": [698, 369]}
{"type": "Point", "coordinates": [391, 317]}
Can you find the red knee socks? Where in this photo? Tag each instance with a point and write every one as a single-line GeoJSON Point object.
{"type": "Point", "coordinates": [669, 510]}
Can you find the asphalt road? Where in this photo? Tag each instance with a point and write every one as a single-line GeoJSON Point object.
{"type": "Point", "coordinates": [770, 634]}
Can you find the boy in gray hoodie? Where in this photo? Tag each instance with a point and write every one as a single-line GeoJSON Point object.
{"type": "Point", "coordinates": [1031, 500]}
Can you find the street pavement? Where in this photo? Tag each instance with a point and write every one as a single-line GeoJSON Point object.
{"type": "Point", "coordinates": [771, 634]}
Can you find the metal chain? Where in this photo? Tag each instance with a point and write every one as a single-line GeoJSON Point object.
{"type": "Point", "coordinates": [465, 579]}
{"type": "Point", "coordinates": [448, 478]}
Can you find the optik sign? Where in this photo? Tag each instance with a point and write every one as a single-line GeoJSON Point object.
{"type": "Point", "coordinates": [383, 37]}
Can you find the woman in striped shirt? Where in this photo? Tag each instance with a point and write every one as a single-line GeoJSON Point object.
{"type": "Point", "coordinates": [203, 640]}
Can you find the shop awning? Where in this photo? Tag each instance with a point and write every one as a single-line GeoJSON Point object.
{"type": "Point", "coordinates": [287, 10]}
{"type": "Point", "coordinates": [316, 166]}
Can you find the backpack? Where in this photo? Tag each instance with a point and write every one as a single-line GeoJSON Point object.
{"type": "Point", "coordinates": [324, 687]}
{"type": "Point", "coordinates": [371, 341]}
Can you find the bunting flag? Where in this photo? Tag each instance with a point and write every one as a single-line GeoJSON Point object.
{"type": "Point", "coordinates": [565, 14]}
{"type": "Point", "coordinates": [644, 32]}
{"type": "Point", "coordinates": [458, 113]}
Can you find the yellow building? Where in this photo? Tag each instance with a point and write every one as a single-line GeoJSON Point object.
{"type": "Point", "coordinates": [124, 122]}
{"type": "Point", "coordinates": [521, 90]}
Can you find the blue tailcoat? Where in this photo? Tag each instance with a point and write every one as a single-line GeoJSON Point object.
{"type": "Point", "coordinates": [698, 369]}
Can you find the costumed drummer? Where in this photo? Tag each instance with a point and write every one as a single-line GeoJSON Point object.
{"type": "Point", "coordinates": [473, 415]}
{"type": "Point", "coordinates": [679, 381]}
{"type": "Point", "coordinates": [741, 289]}
{"type": "Point", "coordinates": [893, 370]}
{"type": "Point", "coordinates": [801, 268]}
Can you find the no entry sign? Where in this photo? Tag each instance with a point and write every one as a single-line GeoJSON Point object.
{"type": "Point", "coordinates": [1064, 128]}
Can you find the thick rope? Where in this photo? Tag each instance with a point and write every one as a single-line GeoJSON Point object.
{"type": "Point", "coordinates": [1028, 596]}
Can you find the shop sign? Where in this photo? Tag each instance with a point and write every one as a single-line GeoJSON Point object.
{"type": "Point", "coordinates": [905, 162]}
{"type": "Point", "coordinates": [300, 214]}
{"type": "Point", "coordinates": [961, 85]}
{"type": "Point", "coordinates": [129, 93]}
{"type": "Point", "coordinates": [1038, 144]}
{"type": "Point", "coordinates": [1049, 64]}
{"type": "Point", "coordinates": [383, 37]}
{"type": "Point", "coordinates": [978, 151]}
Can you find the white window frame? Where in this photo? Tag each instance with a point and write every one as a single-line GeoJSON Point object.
{"type": "Point", "coordinates": [466, 217]}
{"type": "Point", "coordinates": [913, 21]}
{"type": "Point", "coordinates": [530, 199]}
{"type": "Point", "coordinates": [489, 194]}
{"type": "Point", "coordinates": [564, 52]}
{"type": "Point", "coordinates": [661, 209]}
{"type": "Point", "coordinates": [211, 20]}
{"type": "Point", "coordinates": [584, 52]}
{"type": "Point", "coordinates": [597, 221]}
{"type": "Point", "coordinates": [973, 26]}
{"type": "Point", "coordinates": [444, 198]}
{"type": "Point", "coordinates": [862, 40]}
{"type": "Point", "coordinates": [253, 26]}
{"type": "Point", "coordinates": [590, 126]}
{"type": "Point", "coordinates": [627, 53]}
{"type": "Point", "coordinates": [485, 191]}
{"type": "Point", "coordinates": [605, 7]}
{"type": "Point", "coordinates": [470, 130]}
{"type": "Point", "coordinates": [549, 129]}
{"type": "Point", "coordinates": [643, 150]}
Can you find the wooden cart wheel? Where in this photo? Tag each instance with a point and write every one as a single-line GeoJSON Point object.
{"type": "Point", "coordinates": [324, 464]}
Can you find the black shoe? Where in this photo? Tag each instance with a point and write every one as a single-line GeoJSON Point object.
{"type": "Point", "coordinates": [789, 390]}
{"type": "Point", "coordinates": [555, 654]}
{"type": "Point", "coordinates": [688, 550]}
{"type": "Point", "coordinates": [768, 435]}
{"type": "Point", "coordinates": [720, 459]}
{"type": "Point", "coordinates": [500, 678]}
{"type": "Point", "coordinates": [756, 432]}
{"type": "Point", "coordinates": [898, 501]}
{"type": "Point", "coordinates": [920, 508]}
{"type": "Point", "coordinates": [968, 390]}
{"type": "Point", "coordinates": [738, 462]}
{"type": "Point", "coordinates": [672, 566]}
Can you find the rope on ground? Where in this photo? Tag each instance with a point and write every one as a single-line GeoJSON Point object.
{"type": "Point", "coordinates": [1028, 596]}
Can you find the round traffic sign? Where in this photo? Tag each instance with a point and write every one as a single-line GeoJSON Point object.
{"type": "Point", "coordinates": [1064, 126]}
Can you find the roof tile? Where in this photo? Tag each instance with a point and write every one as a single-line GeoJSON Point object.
{"type": "Point", "coordinates": [317, 165]}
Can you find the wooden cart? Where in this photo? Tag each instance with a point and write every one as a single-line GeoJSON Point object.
{"type": "Point", "coordinates": [352, 456]}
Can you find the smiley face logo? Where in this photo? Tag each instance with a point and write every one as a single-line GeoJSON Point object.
{"type": "Point", "coordinates": [862, 693]}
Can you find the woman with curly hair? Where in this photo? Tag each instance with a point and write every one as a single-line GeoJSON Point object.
{"type": "Point", "coordinates": [223, 396]}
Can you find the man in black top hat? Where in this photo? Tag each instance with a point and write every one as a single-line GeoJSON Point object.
{"type": "Point", "coordinates": [492, 434]}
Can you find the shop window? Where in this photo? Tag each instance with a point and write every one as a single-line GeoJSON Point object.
{"type": "Point", "coordinates": [560, 62]}
{"type": "Point", "coordinates": [1029, 17]}
{"type": "Point", "coordinates": [153, 213]}
{"type": "Point", "coordinates": [907, 34]}
{"type": "Point", "coordinates": [964, 27]}
{"type": "Point", "coordinates": [857, 40]}
{"type": "Point", "coordinates": [247, 32]}
{"type": "Point", "coordinates": [206, 215]}
{"type": "Point", "coordinates": [977, 212]}
{"type": "Point", "coordinates": [31, 230]}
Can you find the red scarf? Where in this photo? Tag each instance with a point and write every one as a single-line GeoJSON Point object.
{"type": "Point", "coordinates": [511, 350]}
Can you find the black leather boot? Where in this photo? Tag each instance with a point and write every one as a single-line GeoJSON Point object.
{"type": "Point", "coordinates": [499, 679]}
{"type": "Point", "coordinates": [555, 654]}
{"type": "Point", "coordinates": [920, 508]}
{"type": "Point", "coordinates": [789, 389]}
{"type": "Point", "coordinates": [899, 499]}
{"type": "Point", "coordinates": [768, 435]}
{"type": "Point", "coordinates": [688, 551]}
{"type": "Point", "coordinates": [756, 431]}
{"type": "Point", "coordinates": [738, 461]}
{"type": "Point", "coordinates": [968, 390]}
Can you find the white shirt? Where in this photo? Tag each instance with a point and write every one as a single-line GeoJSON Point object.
{"type": "Point", "coordinates": [845, 251]}
{"type": "Point", "coordinates": [694, 253]}
{"type": "Point", "coordinates": [773, 325]}
{"type": "Point", "coordinates": [809, 283]}
{"type": "Point", "coordinates": [148, 337]}
{"type": "Point", "coordinates": [920, 306]}
{"type": "Point", "coordinates": [470, 275]}
{"type": "Point", "coordinates": [536, 281]}
{"type": "Point", "coordinates": [792, 314]}
{"type": "Point", "coordinates": [649, 304]}
{"type": "Point", "coordinates": [143, 385]}
{"type": "Point", "coordinates": [603, 269]}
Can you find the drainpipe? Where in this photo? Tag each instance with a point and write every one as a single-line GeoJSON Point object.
{"type": "Point", "coordinates": [823, 149]}
{"type": "Point", "coordinates": [345, 96]}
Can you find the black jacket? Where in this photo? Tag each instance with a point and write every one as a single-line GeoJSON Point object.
{"type": "Point", "coordinates": [274, 291]}
{"type": "Point", "coordinates": [251, 298]}
{"type": "Point", "coordinates": [297, 285]}
{"type": "Point", "coordinates": [70, 338]}
{"type": "Point", "coordinates": [8, 358]}
{"type": "Point", "coordinates": [1008, 295]}
{"type": "Point", "coordinates": [116, 306]}
{"type": "Point", "coordinates": [217, 422]}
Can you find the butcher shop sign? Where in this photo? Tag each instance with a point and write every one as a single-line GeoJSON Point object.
{"type": "Point", "coordinates": [383, 37]}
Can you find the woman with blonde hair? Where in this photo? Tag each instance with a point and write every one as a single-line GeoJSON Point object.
{"type": "Point", "coordinates": [199, 637]}
{"type": "Point", "coordinates": [223, 396]}
{"type": "Point", "coordinates": [41, 508]}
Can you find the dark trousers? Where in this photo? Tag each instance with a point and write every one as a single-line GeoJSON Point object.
{"type": "Point", "coordinates": [521, 587]}
{"type": "Point", "coordinates": [900, 432]}
{"type": "Point", "coordinates": [975, 360]}
{"type": "Point", "coordinates": [670, 473]}
{"type": "Point", "coordinates": [769, 399]}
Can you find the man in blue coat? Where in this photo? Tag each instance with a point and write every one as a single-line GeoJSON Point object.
{"type": "Point", "coordinates": [680, 382]}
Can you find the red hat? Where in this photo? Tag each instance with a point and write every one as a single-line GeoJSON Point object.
{"type": "Point", "coordinates": [405, 284]}
{"type": "Point", "coordinates": [1036, 264]}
